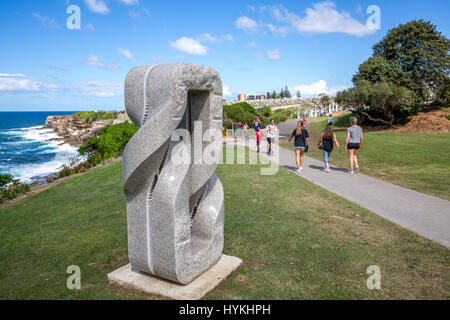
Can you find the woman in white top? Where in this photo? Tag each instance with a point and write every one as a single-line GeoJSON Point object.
{"type": "Point", "coordinates": [271, 133]}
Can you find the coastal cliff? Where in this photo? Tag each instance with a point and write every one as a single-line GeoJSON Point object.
{"type": "Point", "coordinates": [79, 127]}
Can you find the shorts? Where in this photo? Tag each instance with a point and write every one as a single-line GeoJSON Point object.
{"type": "Point", "coordinates": [354, 146]}
{"type": "Point", "coordinates": [270, 140]}
{"type": "Point", "coordinates": [299, 148]}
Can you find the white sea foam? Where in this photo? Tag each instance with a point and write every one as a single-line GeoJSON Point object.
{"type": "Point", "coordinates": [63, 152]}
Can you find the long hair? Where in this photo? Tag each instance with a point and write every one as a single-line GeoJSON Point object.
{"type": "Point", "coordinates": [328, 132]}
{"type": "Point", "coordinates": [298, 132]}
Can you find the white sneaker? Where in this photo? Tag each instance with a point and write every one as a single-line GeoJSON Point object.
{"type": "Point", "coordinates": [301, 169]}
{"type": "Point", "coordinates": [328, 170]}
{"type": "Point", "coordinates": [357, 167]}
{"type": "Point", "coordinates": [297, 170]}
{"type": "Point", "coordinates": [350, 171]}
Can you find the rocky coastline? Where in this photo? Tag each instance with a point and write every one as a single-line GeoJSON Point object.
{"type": "Point", "coordinates": [76, 131]}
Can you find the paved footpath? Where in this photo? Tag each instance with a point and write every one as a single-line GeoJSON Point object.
{"type": "Point", "coordinates": [424, 214]}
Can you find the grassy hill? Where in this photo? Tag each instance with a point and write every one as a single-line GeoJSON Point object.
{"type": "Point", "coordinates": [297, 241]}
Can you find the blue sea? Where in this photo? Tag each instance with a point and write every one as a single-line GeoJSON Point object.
{"type": "Point", "coordinates": [26, 151]}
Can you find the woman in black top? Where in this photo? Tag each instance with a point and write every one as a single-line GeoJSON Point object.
{"type": "Point", "coordinates": [301, 143]}
{"type": "Point", "coordinates": [326, 144]}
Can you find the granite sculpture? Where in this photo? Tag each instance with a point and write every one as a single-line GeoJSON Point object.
{"type": "Point", "coordinates": [175, 211]}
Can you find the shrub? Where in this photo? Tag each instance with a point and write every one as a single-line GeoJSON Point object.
{"type": "Point", "coordinates": [92, 116]}
{"type": "Point", "coordinates": [109, 143]}
{"type": "Point", "coordinates": [11, 188]}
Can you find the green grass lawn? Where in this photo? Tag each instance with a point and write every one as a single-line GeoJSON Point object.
{"type": "Point", "coordinates": [297, 241]}
{"type": "Point", "coordinates": [416, 161]}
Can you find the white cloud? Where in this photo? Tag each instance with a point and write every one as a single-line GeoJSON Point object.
{"type": "Point", "coordinates": [94, 61]}
{"type": "Point", "coordinates": [18, 82]}
{"type": "Point", "coordinates": [189, 45]}
{"type": "Point", "coordinates": [129, 2]}
{"type": "Point", "coordinates": [89, 27]}
{"type": "Point", "coordinates": [274, 54]}
{"type": "Point", "coordinates": [252, 44]}
{"type": "Point", "coordinates": [206, 37]}
{"type": "Point", "coordinates": [97, 6]}
{"type": "Point", "coordinates": [100, 88]}
{"type": "Point", "coordinates": [227, 92]}
{"type": "Point", "coordinates": [278, 30]}
{"type": "Point", "coordinates": [322, 18]}
{"type": "Point", "coordinates": [126, 53]}
{"type": "Point", "coordinates": [46, 21]}
{"type": "Point", "coordinates": [316, 88]}
{"type": "Point", "coordinates": [136, 13]}
{"type": "Point", "coordinates": [247, 24]}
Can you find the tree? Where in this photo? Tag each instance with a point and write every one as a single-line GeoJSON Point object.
{"type": "Point", "coordinates": [299, 95]}
{"type": "Point", "coordinates": [268, 95]}
{"type": "Point", "coordinates": [421, 52]}
{"type": "Point", "coordinates": [287, 93]}
{"type": "Point", "coordinates": [281, 93]}
{"type": "Point", "coordinates": [380, 102]}
{"type": "Point", "coordinates": [274, 95]}
{"type": "Point", "coordinates": [325, 100]}
{"type": "Point", "coordinates": [378, 69]}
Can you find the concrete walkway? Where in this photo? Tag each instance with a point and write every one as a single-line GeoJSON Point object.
{"type": "Point", "coordinates": [424, 214]}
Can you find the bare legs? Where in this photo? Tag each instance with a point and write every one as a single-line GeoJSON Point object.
{"type": "Point", "coordinates": [299, 157]}
{"type": "Point", "coordinates": [352, 158]}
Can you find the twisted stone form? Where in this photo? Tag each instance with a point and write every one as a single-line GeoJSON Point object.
{"type": "Point", "coordinates": [175, 211]}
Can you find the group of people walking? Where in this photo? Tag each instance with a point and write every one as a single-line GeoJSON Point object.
{"type": "Point", "coordinates": [327, 140]}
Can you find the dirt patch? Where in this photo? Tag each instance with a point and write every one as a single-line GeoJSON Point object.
{"type": "Point", "coordinates": [428, 122]}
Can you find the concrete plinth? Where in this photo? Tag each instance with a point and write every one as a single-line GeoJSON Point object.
{"type": "Point", "coordinates": [205, 283]}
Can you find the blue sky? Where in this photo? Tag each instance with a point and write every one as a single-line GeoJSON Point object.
{"type": "Point", "coordinates": [314, 46]}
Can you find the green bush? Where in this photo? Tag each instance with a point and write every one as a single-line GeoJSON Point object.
{"type": "Point", "coordinates": [239, 112]}
{"type": "Point", "coordinates": [109, 143]}
{"type": "Point", "coordinates": [11, 188]}
{"type": "Point", "coordinates": [92, 116]}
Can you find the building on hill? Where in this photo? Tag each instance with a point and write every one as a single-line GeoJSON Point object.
{"type": "Point", "coordinates": [242, 97]}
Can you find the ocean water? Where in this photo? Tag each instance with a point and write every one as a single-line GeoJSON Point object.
{"type": "Point", "coordinates": [26, 151]}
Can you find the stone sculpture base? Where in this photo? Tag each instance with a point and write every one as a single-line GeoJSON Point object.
{"type": "Point", "coordinates": [195, 290]}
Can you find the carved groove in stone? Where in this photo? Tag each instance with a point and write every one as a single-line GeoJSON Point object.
{"type": "Point", "coordinates": [175, 212]}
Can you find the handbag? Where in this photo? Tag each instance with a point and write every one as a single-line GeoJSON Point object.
{"type": "Point", "coordinates": [322, 146]}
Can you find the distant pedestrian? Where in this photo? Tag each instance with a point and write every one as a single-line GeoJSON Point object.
{"type": "Point", "coordinates": [326, 145]}
{"type": "Point", "coordinates": [330, 119]}
{"type": "Point", "coordinates": [353, 143]}
{"type": "Point", "coordinates": [256, 123]}
{"type": "Point", "coordinates": [258, 135]}
{"type": "Point", "coordinates": [245, 129]}
{"type": "Point", "coordinates": [301, 143]}
{"type": "Point", "coordinates": [271, 133]}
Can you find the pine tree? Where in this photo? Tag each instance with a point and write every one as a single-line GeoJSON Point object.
{"type": "Point", "coordinates": [282, 93]}
{"type": "Point", "coordinates": [287, 93]}
{"type": "Point", "coordinates": [299, 95]}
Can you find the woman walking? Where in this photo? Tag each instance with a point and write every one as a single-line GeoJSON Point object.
{"type": "Point", "coordinates": [326, 145]}
{"type": "Point", "coordinates": [301, 143]}
{"type": "Point", "coordinates": [353, 143]}
{"type": "Point", "coordinates": [245, 130]}
{"type": "Point", "coordinates": [271, 133]}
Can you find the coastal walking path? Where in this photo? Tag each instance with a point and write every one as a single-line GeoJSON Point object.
{"type": "Point", "coordinates": [424, 214]}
